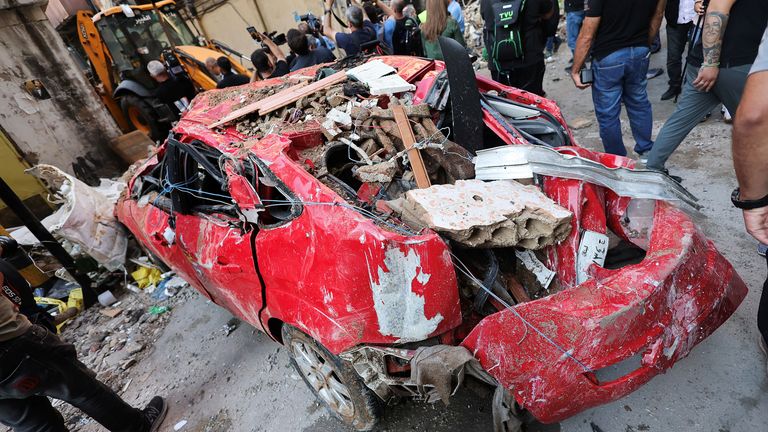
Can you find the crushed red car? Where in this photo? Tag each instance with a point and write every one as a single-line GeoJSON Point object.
{"type": "Point", "coordinates": [296, 220]}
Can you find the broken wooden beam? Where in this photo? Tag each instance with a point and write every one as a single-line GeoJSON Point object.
{"type": "Point", "coordinates": [409, 141]}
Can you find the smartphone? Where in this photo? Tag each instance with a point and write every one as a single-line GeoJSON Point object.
{"type": "Point", "coordinates": [252, 31]}
{"type": "Point", "coordinates": [586, 76]}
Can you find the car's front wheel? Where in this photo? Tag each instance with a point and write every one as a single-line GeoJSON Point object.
{"type": "Point", "coordinates": [333, 381]}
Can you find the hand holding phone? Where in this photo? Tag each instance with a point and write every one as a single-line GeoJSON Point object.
{"type": "Point", "coordinates": [586, 76]}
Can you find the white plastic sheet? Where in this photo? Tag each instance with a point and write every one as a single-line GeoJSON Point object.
{"type": "Point", "coordinates": [86, 216]}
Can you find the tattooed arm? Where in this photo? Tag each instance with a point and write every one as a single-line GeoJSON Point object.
{"type": "Point", "coordinates": [712, 42]}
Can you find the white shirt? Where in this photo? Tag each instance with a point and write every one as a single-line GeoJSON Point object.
{"type": "Point", "coordinates": [686, 13]}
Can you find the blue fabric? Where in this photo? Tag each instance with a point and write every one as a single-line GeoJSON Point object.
{"type": "Point", "coordinates": [573, 21]}
{"type": "Point", "coordinates": [351, 46]}
{"type": "Point", "coordinates": [455, 9]}
{"type": "Point", "coordinates": [621, 77]}
{"type": "Point", "coordinates": [389, 30]}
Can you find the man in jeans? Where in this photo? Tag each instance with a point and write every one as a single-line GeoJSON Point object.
{"type": "Point", "coordinates": [680, 16]}
{"type": "Point", "coordinates": [35, 364]}
{"type": "Point", "coordinates": [620, 34]}
{"type": "Point", "coordinates": [718, 66]}
{"type": "Point", "coordinates": [574, 16]}
{"type": "Point", "coordinates": [750, 157]}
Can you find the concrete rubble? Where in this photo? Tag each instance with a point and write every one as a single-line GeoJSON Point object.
{"type": "Point", "coordinates": [489, 214]}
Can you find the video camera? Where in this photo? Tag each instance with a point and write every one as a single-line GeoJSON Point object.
{"type": "Point", "coordinates": [314, 23]}
{"type": "Point", "coordinates": [277, 38]}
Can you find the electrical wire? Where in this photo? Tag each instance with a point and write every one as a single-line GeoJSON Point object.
{"type": "Point", "coordinates": [549, 340]}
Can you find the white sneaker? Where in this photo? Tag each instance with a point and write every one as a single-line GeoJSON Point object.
{"type": "Point", "coordinates": [726, 115]}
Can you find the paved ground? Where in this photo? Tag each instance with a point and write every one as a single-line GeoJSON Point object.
{"type": "Point", "coordinates": [243, 382]}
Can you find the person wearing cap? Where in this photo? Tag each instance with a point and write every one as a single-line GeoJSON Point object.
{"type": "Point", "coordinates": [175, 91]}
{"type": "Point", "coordinates": [36, 365]}
{"type": "Point", "coordinates": [230, 78]}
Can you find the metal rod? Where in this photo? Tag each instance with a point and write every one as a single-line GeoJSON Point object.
{"type": "Point", "coordinates": [9, 197]}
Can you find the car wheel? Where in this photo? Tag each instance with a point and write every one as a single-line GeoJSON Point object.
{"type": "Point", "coordinates": [333, 381]}
{"type": "Point", "coordinates": [141, 116]}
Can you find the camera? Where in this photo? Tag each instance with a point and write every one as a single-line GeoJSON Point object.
{"type": "Point", "coordinates": [277, 38]}
{"type": "Point", "coordinates": [314, 23]}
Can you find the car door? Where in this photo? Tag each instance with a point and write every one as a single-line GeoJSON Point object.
{"type": "Point", "coordinates": [214, 236]}
{"type": "Point", "coordinates": [151, 217]}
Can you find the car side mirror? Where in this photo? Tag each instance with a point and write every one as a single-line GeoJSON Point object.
{"type": "Point", "coordinates": [244, 194]}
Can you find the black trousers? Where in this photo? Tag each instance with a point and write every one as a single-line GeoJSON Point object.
{"type": "Point", "coordinates": [677, 38]}
{"type": "Point", "coordinates": [762, 312]}
{"type": "Point", "coordinates": [529, 78]}
{"type": "Point", "coordinates": [39, 364]}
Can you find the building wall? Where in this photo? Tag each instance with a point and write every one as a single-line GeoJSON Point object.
{"type": "Point", "coordinates": [71, 129]}
{"type": "Point", "coordinates": [227, 22]}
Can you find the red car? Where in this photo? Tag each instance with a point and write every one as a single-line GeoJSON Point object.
{"type": "Point", "coordinates": [353, 292]}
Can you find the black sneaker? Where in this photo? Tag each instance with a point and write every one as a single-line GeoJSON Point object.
{"type": "Point", "coordinates": [673, 177]}
{"type": "Point", "coordinates": [670, 93]}
{"type": "Point", "coordinates": [154, 413]}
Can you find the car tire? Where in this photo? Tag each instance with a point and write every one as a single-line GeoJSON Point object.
{"type": "Point", "coordinates": [333, 381]}
{"type": "Point", "coordinates": [141, 116]}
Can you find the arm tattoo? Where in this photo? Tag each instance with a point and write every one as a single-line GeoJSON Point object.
{"type": "Point", "coordinates": [712, 36]}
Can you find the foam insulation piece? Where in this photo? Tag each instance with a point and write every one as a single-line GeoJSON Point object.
{"type": "Point", "coordinates": [389, 84]}
{"type": "Point", "coordinates": [370, 71]}
{"type": "Point", "coordinates": [501, 213]}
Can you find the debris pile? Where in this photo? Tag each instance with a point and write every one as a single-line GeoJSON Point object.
{"type": "Point", "coordinates": [473, 32]}
{"type": "Point", "coordinates": [387, 155]}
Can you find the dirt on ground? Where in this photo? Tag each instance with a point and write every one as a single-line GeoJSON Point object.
{"type": "Point", "coordinates": [220, 376]}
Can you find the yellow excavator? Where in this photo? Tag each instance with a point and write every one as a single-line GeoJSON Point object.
{"type": "Point", "coordinates": [114, 47]}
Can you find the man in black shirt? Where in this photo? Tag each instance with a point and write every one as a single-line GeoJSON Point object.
{"type": "Point", "coordinates": [619, 34]}
{"type": "Point", "coordinates": [270, 62]}
{"type": "Point", "coordinates": [718, 66]}
{"type": "Point", "coordinates": [524, 70]}
{"type": "Point", "coordinates": [230, 78]}
{"type": "Point", "coordinates": [680, 16]}
{"type": "Point", "coordinates": [175, 91]}
{"type": "Point", "coordinates": [305, 56]}
{"type": "Point", "coordinates": [574, 17]}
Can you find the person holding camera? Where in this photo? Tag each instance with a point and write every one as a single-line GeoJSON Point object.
{"type": "Point", "coordinates": [305, 55]}
{"type": "Point", "coordinates": [269, 62]}
{"type": "Point", "coordinates": [362, 30]}
{"type": "Point", "coordinates": [619, 35]}
{"type": "Point", "coordinates": [35, 365]}
{"type": "Point", "coordinates": [717, 69]}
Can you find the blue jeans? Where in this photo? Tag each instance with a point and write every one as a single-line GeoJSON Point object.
{"type": "Point", "coordinates": [573, 21]}
{"type": "Point", "coordinates": [620, 77]}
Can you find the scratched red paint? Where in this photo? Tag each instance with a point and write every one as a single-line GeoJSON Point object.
{"type": "Point", "coordinates": [322, 270]}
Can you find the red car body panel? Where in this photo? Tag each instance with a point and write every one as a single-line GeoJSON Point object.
{"type": "Point", "coordinates": [347, 281]}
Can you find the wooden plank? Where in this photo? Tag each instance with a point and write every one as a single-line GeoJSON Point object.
{"type": "Point", "coordinates": [517, 290]}
{"type": "Point", "coordinates": [280, 100]}
{"type": "Point", "coordinates": [414, 155]}
{"type": "Point", "coordinates": [251, 107]}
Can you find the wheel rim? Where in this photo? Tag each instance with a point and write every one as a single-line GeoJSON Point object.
{"type": "Point", "coordinates": [322, 377]}
{"type": "Point", "coordinates": [137, 119]}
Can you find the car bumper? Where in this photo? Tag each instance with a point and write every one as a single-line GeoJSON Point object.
{"type": "Point", "coordinates": [555, 354]}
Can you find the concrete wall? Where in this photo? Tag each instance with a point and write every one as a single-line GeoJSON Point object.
{"type": "Point", "coordinates": [69, 127]}
{"type": "Point", "coordinates": [227, 23]}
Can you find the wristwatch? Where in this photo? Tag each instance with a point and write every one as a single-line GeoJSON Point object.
{"type": "Point", "coordinates": [748, 204]}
